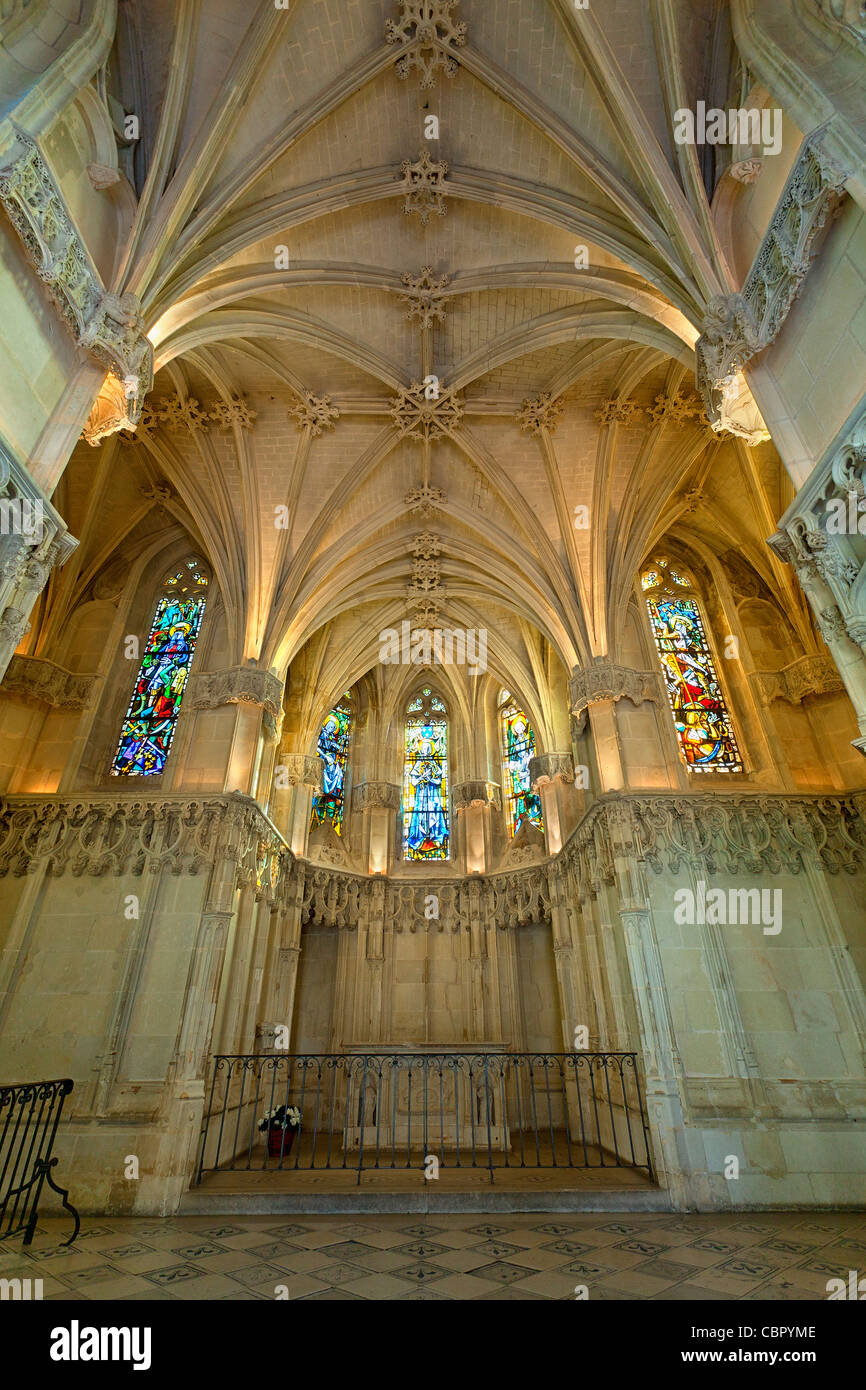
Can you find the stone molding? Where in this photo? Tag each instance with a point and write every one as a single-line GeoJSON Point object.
{"type": "Point", "coordinates": [603, 681]}
{"type": "Point", "coordinates": [551, 767]}
{"type": "Point", "coordinates": [242, 685]}
{"type": "Point", "coordinates": [42, 680]}
{"type": "Point", "coordinates": [849, 16]}
{"type": "Point", "coordinates": [738, 326]}
{"type": "Point", "coordinates": [376, 796]}
{"type": "Point", "coordinates": [107, 325]}
{"type": "Point", "coordinates": [811, 675]}
{"type": "Point", "coordinates": [477, 794]}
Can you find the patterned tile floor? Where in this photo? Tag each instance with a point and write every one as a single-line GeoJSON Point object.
{"type": "Point", "coordinates": [769, 1255]}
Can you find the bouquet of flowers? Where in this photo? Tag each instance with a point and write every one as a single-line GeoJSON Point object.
{"type": "Point", "coordinates": [284, 1117]}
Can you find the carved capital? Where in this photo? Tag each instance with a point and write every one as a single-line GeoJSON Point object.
{"type": "Point", "coordinates": [42, 680]}
{"type": "Point", "coordinates": [811, 675]}
{"type": "Point", "coordinates": [603, 681]}
{"type": "Point", "coordinates": [376, 796]}
{"type": "Point", "coordinates": [477, 794]}
{"type": "Point", "coordinates": [551, 767]}
{"type": "Point", "coordinates": [247, 685]}
{"type": "Point", "coordinates": [297, 769]}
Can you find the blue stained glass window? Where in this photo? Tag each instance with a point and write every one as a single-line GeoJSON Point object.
{"type": "Point", "coordinates": [518, 746]}
{"type": "Point", "coordinates": [333, 749]}
{"type": "Point", "coordinates": [425, 779]}
{"type": "Point", "coordinates": [151, 719]}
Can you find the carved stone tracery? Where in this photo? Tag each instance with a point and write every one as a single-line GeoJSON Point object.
{"type": "Point", "coordinates": [430, 31]}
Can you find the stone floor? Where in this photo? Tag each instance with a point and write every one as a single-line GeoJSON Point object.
{"type": "Point", "coordinates": [769, 1255]}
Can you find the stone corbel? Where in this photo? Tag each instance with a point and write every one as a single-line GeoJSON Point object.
{"type": "Point", "coordinates": [37, 679]}
{"type": "Point", "coordinates": [107, 325]}
{"type": "Point", "coordinates": [376, 796]}
{"type": "Point", "coordinates": [301, 770]}
{"type": "Point", "coordinates": [242, 685]}
{"type": "Point", "coordinates": [811, 675]}
{"type": "Point", "coordinates": [738, 326]}
{"type": "Point", "coordinates": [469, 794]}
{"type": "Point", "coordinates": [604, 681]}
{"type": "Point", "coordinates": [548, 768]}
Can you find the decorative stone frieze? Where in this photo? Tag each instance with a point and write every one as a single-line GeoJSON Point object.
{"type": "Point", "coordinates": [247, 685]}
{"type": "Point", "coordinates": [104, 834]}
{"type": "Point", "coordinates": [425, 296]}
{"type": "Point", "coordinates": [43, 680]}
{"type": "Point", "coordinates": [418, 417]}
{"type": "Point", "coordinates": [551, 767]}
{"type": "Point", "coordinates": [603, 681]}
{"type": "Point", "coordinates": [540, 413]}
{"type": "Point", "coordinates": [108, 325]}
{"type": "Point", "coordinates": [811, 675]}
{"type": "Point", "coordinates": [315, 413]}
{"type": "Point", "coordinates": [477, 794]}
{"type": "Point", "coordinates": [376, 796]}
{"type": "Point", "coordinates": [737, 326]}
{"type": "Point", "coordinates": [425, 186]}
{"type": "Point", "coordinates": [430, 31]}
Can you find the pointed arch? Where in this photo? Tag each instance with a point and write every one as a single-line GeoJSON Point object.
{"type": "Point", "coordinates": [517, 742]}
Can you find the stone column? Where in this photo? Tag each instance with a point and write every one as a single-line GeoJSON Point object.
{"type": "Point", "coordinates": [377, 805]}
{"type": "Point", "coordinates": [595, 691]}
{"type": "Point", "coordinates": [552, 779]}
{"type": "Point", "coordinates": [473, 803]}
{"type": "Point", "coordinates": [257, 695]}
{"type": "Point", "coordinates": [297, 779]}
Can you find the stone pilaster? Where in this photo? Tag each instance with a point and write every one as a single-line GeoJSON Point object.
{"type": "Point", "coordinates": [552, 779]}
{"type": "Point", "coordinates": [376, 804]}
{"type": "Point", "coordinates": [474, 804]}
{"type": "Point", "coordinates": [595, 692]}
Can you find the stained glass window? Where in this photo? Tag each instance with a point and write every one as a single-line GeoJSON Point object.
{"type": "Point", "coordinates": [425, 778]}
{"type": "Point", "coordinates": [701, 717]}
{"type": "Point", "coordinates": [333, 749]}
{"type": "Point", "coordinates": [151, 720]}
{"type": "Point", "coordinates": [518, 746]}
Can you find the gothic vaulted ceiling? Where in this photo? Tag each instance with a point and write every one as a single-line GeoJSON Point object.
{"type": "Point", "coordinates": [310, 246]}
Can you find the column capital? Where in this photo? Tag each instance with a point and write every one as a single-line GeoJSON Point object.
{"type": "Point", "coordinates": [606, 682]}
{"type": "Point", "coordinates": [547, 768]}
{"type": "Point", "coordinates": [477, 794]}
{"type": "Point", "coordinates": [376, 796]}
{"type": "Point", "coordinates": [241, 685]}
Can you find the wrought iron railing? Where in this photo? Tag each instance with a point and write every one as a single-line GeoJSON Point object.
{"type": "Point", "coordinates": [29, 1116]}
{"type": "Point", "coordinates": [394, 1110]}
